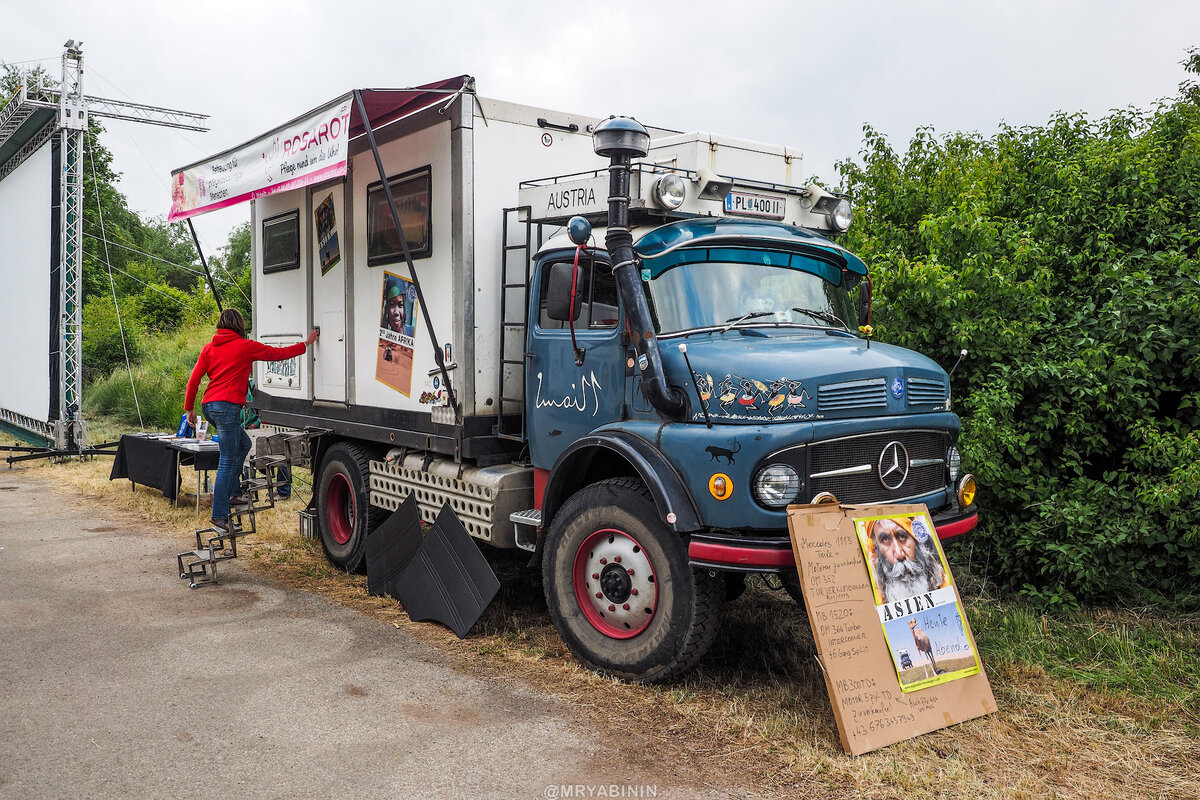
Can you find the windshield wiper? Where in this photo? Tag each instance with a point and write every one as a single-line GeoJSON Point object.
{"type": "Point", "coordinates": [752, 315]}
{"type": "Point", "coordinates": [824, 316]}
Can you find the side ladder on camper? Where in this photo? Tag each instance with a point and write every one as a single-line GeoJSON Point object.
{"type": "Point", "coordinates": [199, 566]}
{"type": "Point", "coordinates": [517, 248]}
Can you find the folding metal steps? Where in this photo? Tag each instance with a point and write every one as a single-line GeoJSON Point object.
{"type": "Point", "coordinates": [199, 566]}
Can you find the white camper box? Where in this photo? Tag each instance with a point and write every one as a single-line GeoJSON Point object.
{"type": "Point", "coordinates": [475, 154]}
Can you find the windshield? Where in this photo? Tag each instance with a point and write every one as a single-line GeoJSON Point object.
{"type": "Point", "coordinates": [707, 294]}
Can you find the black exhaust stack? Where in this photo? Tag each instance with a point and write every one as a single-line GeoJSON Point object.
{"type": "Point", "coordinates": [621, 139]}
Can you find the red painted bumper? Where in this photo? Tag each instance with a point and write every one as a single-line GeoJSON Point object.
{"type": "Point", "coordinates": [767, 558]}
{"type": "Point", "coordinates": [958, 527]}
{"type": "Point", "coordinates": [716, 554]}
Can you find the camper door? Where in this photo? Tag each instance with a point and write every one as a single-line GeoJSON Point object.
{"type": "Point", "coordinates": [330, 253]}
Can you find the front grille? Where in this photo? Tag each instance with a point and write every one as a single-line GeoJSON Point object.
{"type": "Point", "coordinates": [859, 451]}
{"type": "Point", "coordinates": [870, 393]}
{"type": "Point", "coordinates": [925, 391]}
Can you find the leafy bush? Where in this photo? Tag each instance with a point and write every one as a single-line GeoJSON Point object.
{"type": "Point", "coordinates": [162, 307]}
{"type": "Point", "coordinates": [1064, 257]}
{"type": "Point", "coordinates": [103, 349]}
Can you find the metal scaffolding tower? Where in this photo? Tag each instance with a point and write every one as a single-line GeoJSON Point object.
{"type": "Point", "coordinates": [32, 117]}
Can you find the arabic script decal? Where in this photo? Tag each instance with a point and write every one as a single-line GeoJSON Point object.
{"type": "Point", "coordinates": [576, 399]}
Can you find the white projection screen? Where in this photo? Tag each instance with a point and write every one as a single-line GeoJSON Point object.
{"type": "Point", "coordinates": [25, 303]}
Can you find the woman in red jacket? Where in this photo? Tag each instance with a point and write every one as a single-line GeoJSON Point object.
{"type": "Point", "coordinates": [226, 360]}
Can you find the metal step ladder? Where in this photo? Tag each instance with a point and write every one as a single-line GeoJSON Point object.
{"type": "Point", "coordinates": [199, 566]}
{"type": "Point", "coordinates": [517, 249]}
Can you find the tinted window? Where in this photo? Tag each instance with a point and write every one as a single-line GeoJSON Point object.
{"type": "Point", "coordinates": [281, 242]}
{"type": "Point", "coordinates": [598, 288]}
{"type": "Point", "coordinates": [411, 193]}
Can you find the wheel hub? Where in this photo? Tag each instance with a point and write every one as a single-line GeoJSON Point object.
{"type": "Point", "coordinates": [615, 584]}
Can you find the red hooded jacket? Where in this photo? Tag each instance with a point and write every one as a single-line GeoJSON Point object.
{"type": "Point", "coordinates": [226, 360]}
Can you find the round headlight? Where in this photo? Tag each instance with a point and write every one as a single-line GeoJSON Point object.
{"type": "Point", "coordinates": [776, 486]}
{"type": "Point", "coordinates": [841, 216]}
{"type": "Point", "coordinates": [670, 192]}
{"type": "Point", "coordinates": [954, 462]}
{"type": "Point", "coordinates": [966, 491]}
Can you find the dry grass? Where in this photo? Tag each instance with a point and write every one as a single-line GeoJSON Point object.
{"type": "Point", "coordinates": [755, 713]}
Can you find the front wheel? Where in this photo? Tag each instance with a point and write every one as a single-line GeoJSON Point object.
{"type": "Point", "coordinates": [620, 589]}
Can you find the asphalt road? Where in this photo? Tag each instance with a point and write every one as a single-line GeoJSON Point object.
{"type": "Point", "coordinates": [118, 681]}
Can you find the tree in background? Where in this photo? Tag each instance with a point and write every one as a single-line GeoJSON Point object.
{"type": "Point", "coordinates": [1065, 257]}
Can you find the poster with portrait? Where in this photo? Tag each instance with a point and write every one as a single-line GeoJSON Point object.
{"type": "Point", "coordinates": [327, 234]}
{"type": "Point", "coordinates": [397, 326]}
{"type": "Point", "coordinates": [916, 601]}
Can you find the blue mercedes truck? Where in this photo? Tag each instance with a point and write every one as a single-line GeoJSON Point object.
{"type": "Point", "coordinates": [630, 367]}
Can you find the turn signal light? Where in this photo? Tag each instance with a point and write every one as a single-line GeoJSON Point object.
{"type": "Point", "coordinates": [720, 486]}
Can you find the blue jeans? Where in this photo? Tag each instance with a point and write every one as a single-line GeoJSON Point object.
{"type": "Point", "coordinates": [235, 446]}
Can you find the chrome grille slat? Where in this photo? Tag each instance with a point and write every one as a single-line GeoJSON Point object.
{"type": "Point", "coordinates": [926, 448]}
{"type": "Point", "coordinates": [925, 390]}
{"type": "Point", "coordinates": [870, 393]}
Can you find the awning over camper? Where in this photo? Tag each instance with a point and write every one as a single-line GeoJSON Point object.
{"type": "Point", "coordinates": [309, 149]}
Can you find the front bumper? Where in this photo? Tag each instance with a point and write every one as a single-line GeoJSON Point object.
{"type": "Point", "coordinates": [730, 552]}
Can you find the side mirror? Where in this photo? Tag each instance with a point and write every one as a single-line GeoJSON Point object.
{"type": "Point", "coordinates": [864, 302]}
{"type": "Point", "coordinates": [558, 294]}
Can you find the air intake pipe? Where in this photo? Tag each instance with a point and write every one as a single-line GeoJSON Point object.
{"type": "Point", "coordinates": [621, 139]}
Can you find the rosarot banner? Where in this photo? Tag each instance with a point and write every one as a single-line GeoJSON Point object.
{"type": "Point", "coordinates": [305, 151]}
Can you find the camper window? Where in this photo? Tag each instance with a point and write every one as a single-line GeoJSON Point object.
{"type": "Point", "coordinates": [411, 193]}
{"type": "Point", "coordinates": [598, 289]}
{"type": "Point", "coordinates": [281, 242]}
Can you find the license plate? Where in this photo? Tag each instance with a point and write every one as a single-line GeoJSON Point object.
{"type": "Point", "coordinates": [754, 205]}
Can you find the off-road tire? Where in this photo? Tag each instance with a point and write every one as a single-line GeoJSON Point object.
{"type": "Point", "coordinates": [686, 614]}
{"type": "Point", "coordinates": [344, 512]}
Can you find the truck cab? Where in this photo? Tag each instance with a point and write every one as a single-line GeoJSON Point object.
{"type": "Point", "coordinates": [648, 513]}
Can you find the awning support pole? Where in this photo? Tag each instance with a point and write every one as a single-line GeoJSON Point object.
{"type": "Point", "coordinates": [412, 272]}
{"type": "Point", "coordinates": [204, 263]}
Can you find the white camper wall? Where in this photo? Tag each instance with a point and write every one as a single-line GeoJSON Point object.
{"type": "Point", "coordinates": [281, 302]}
{"type": "Point", "coordinates": [371, 387]}
{"type": "Point", "coordinates": [511, 148]}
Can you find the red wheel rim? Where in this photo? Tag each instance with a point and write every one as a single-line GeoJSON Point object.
{"type": "Point", "coordinates": [339, 509]}
{"type": "Point", "coordinates": [615, 584]}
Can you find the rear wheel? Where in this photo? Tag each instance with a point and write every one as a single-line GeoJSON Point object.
{"type": "Point", "coordinates": [619, 587]}
{"type": "Point", "coordinates": [344, 512]}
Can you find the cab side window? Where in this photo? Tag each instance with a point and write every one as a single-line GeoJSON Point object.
{"type": "Point", "coordinates": [596, 286]}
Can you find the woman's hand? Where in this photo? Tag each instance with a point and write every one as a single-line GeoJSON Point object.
{"type": "Point", "coordinates": [313, 335]}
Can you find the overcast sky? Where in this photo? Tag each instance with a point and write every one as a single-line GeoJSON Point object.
{"type": "Point", "coordinates": [803, 74]}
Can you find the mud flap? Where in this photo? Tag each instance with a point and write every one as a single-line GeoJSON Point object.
{"type": "Point", "coordinates": [391, 547]}
{"type": "Point", "coordinates": [447, 580]}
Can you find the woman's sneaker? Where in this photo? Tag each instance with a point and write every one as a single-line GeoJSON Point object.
{"type": "Point", "coordinates": [225, 526]}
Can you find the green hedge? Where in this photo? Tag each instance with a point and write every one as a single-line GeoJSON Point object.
{"type": "Point", "coordinates": [1064, 257]}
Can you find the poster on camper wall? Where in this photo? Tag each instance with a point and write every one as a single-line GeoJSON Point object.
{"type": "Point", "coordinates": [327, 234]}
{"type": "Point", "coordinates": [915, 598]}
{"type": "Point", "coordinates": [304, 152]}
{"type": "Point", "coordinates": [397, 325]}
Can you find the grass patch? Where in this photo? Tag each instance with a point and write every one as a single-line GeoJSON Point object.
{"type": "Point", "coordinates": [160, 380]}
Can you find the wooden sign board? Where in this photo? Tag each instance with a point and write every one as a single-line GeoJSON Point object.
{"type": "Point", "coordinates": [848, 617]}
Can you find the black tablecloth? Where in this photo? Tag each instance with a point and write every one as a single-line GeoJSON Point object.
{"type": "Point", "coordinates": [152, 462]}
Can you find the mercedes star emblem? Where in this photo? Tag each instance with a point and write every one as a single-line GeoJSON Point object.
{"type": "Point", "coordinates": [893, 465]}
